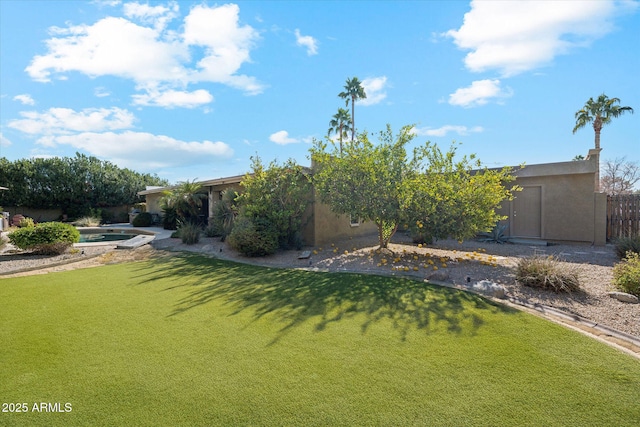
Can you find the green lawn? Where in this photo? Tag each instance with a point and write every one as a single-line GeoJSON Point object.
{"type": "Point", "coordinates": [190, 340]}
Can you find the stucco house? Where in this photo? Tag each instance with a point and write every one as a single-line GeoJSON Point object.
{"type": "Point", "coordinates": [558, 203]}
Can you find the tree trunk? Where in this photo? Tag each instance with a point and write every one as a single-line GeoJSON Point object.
{"type": "Point", "coordinates": [597, 127]}
{"type": "Point", "coordinates": [353, 118]}
{"type": "Point", "coordinates": [380, 236]}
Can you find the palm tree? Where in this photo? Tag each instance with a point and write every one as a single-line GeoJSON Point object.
{"type": "Point", "coordinates": [340, 124]}
{"type": "Point", "coordinates": [353, 91]}
{"type": "Point", "coordinates": [184, 201]}
{"type": "Point", "coordinates": [600, 112]}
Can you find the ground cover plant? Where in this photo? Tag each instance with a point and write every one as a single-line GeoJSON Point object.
{"type": "Point", "coordinates": [190, 340]}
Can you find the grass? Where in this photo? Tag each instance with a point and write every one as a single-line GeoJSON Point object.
{"type": "Point", "coordinates": [189, 340]}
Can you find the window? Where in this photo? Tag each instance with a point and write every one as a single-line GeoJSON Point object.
{"type": "Point", "coordinates": [354, 220]}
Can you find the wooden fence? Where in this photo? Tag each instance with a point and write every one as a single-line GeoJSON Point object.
{"type": "Point", "coordinates": [623, 216]}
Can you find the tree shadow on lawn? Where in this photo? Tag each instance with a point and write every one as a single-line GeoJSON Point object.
{"type": "Point", "coordinates": [296, 296]}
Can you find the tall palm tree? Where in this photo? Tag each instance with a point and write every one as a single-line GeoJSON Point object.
{"type": "Point", "coordinates": [340, 124]}
{"type": "Point", "coordinates": [599, 113]}
{"type": "Point", "coordinates": [353, 91]}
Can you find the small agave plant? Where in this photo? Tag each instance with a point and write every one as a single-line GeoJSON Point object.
{"type": "Point", "coordinates": [496, 235]}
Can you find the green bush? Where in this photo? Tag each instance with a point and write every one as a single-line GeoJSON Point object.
{"type": "Point", "coordinates": [189, 233]}
{"type": "Point", "coordinates": [26, 222]}
{"type": "Point", "coordinates": [251, 239]}
{"type": "Point", "coordinates": [546, 273]}
{"type": "Point", "coordinates": [626, 274]}
{"type": "Point", "coordinates": [213, 230]}
{"type": "Point", "coordinates": [143, 219]}
{"type": "Point", "coordinates": [48, 238]}
{"type": "Point", "coordinates": [626, 244]}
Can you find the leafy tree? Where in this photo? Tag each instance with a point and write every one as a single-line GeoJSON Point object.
{"type": "Point", "coordinates": [619, 176]}
{"type": "Point", "coordinates": [353, 91]}
{"type": "Point", "coordinates": [73, 184]}
{"type": "Point", "coordinates": [340, 125]}
{"type": "Point", "coordinates": [381, 183]}
{"type": "Point", "coordinates": [599, 113]}
{"type": "Point", "coordinates": [455, 198]}
{"type": "Point", "coordinates": [276, 197]}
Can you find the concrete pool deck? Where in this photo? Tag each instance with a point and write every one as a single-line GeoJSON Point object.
{"type": "Point", "coordinates": [157, 233]}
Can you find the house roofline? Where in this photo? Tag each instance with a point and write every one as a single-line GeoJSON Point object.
{"type": "Point", "coordinates": [207, 183]}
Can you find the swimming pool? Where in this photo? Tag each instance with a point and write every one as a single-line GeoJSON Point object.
{"type": "Point", "coordinates": [105, 236]}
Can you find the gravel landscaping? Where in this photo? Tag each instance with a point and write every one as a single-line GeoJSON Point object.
{"type": "Point", "coordinates": [454, 262]}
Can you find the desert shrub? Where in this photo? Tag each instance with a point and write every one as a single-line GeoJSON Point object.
{"type": "Point", "coordinates": [626, 274]}
{"type": "Point", "coordinates": [213, 230]}
{"type": "Point", "coordinates": [626, 244]}
{"type": "Point", "coordinates": [169, 218]}
{"type": "Point", "coordinates": [189, 233]}
{"type": "Point", "coordinates": [224, 213]}
{"type": "Point", "coordinates": [26, 222]}
{"type": "Point", "coordinates": [49, 238]}
{"type": "Point", "coordinates": [143, 219]}
{"type": "Point", "coordinates": [87, 221]}
{"type": "Point", "coordinates": [253, 238]}
{"type": "Point", "coordinates": [547, 273]}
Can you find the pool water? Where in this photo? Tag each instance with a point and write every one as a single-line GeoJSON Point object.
{"type": "Point", "coordinates": [104, 237]}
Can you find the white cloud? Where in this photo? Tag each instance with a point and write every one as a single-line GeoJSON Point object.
{"type": "Point", "coordinates": [307, 41]}
{"type": "Point", "coordinates": [150, 54]}
{"type": "Point", "coordinates": [4, 141]}
{"type": "Point", "coordinates": [65, 121]}
{"type": "Point", "coordinates": [101, 92]}
{"type": "Point", "coordinates": [158, 16]}
{"type": "Point", "coordinates": [375, 88]}
{"type": "Point", "coordinates": [444, 130]}
{"type": "Point", "coordinates": [479, 93]}
{"type": "Point", "coordinates": [226, 43]}
{"type": "Point", "coordinates": [110, 3]}
{"type": "Point", "coordinates": [517, 36]}
{"type": "Point", "coordinates": [25, 99]}
{"type": "Point", "coordinates": [112, 46]}
{"type": "Point", "coordinates": [102, 133]}
{"type": "Point", "coordinates": [174, 98]}
{"type": "Point", "coordinates": [282, 138]}
{"type": "Point", "coordinates": [141, 150]}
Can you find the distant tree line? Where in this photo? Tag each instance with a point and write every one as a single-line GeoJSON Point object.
{"type": "Point", "coordinates": [74, 184]}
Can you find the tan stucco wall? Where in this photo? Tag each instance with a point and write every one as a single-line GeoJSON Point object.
{"type": "Point", "coordinates": [570, 209]}
{"type": "Point", "coordinates": [153, 203]}
{"type": "Point", "coordinates": [567, 209]}
{"type": "Point", "coordinates": [329, 227]}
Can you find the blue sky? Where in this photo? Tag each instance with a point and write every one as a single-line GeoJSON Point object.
{"type": "Point", "coordinates": [194, 89]}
